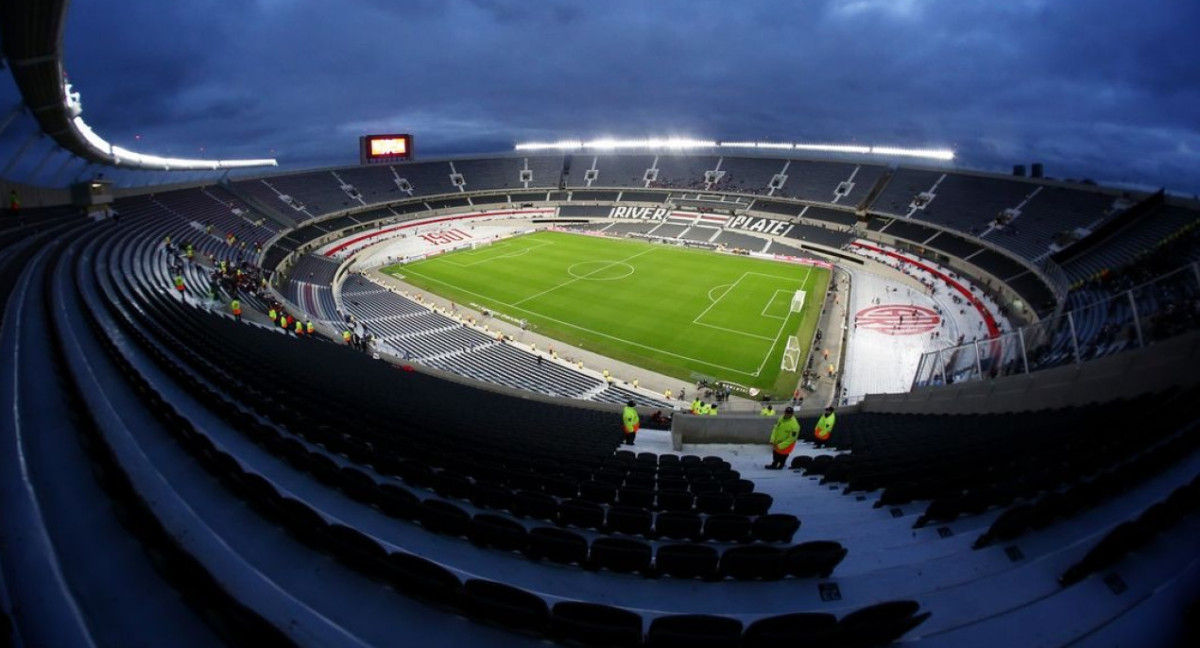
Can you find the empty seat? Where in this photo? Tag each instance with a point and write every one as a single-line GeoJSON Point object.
{"type": "Point", "coordinates": [638, 497]}
{"type": "Point", "coordinates": [727, 527]}
{"type": "Point", "coordinates": [627, 519]}
{"type": "Point", "coordinates": [800, 462]}
{"type": "Point", "coordinates": [623, 555]}
{"type": "Point", "coordinates": [415, 473]}
{"type": "Point", "coordinates": [535, 505]}
{"type": "Point", "coordinates": [675, 500]}
{"type": "Point", "coordinates": [705, 485]}
{"type": "Point", "coordinates": [1009, 525]}
{"type": "Point", "coordinates": [714, 502]}
{"type": "Point", "coordinates": [880, 624]}
{"type": "Point", "coordinates": [443, 517]}
{"type": "Point", "coordinates": [816, 558]}
{"type": "Point", "coordinates": [694, 631]}
{"type": "Point", "coordinates": [304, 522]}
{"type": "Point", "coordinates": [737, 487]}
{"type": "Point", "coordinates": [357, 484]}
{"type": "Point", "coordinates": [819, 465]}
{"type": "Point", "coordinates": [492, 495]}
{"type": "Point", "coordinates": [424, 579]}
{"type": "Point", "coordinates": [356, 548]}
{"type": "Point", "coordinates": [753, 503]}
{"type": "Point", "coordinates": [489, 530]}
{"type": "Point", "coordinates": [557, 545]}
{"type": "Point", "coordinates": [397, 502]}
{"type": "Point", "coordinates": [666, 483]}
{"type": "Point", "coordinates": [610, 477]}
{"type": "Point", "coordinates": [580, 513]}
{"type": "Point", "coordinates": [592, 624]}
{"type": "Point", "coordinates": [598, 492]}
{"type": "Point", "coordinates": [646, 481]}
{"type": "Point", "coordinates": [524, 480]}
{"type": "Point", "coordinates": [796, 629]}
{"type": "Point", "coordinates": [687, 561]}
{"type": "Point", "coordinates": [775, 527]}
{"type": "Point", "coordinates": [753, 562]}
{"type": "Point", "coordinates": [452, 485]}
{"type": "Point", "coordinates": [560, 486]}
{"type": "Point", "coordinates": [505, 605]}
{"type": "Point", "coordinates": [678, 525]}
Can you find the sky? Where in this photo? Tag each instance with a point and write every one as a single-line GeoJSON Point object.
{"type": "Point", "coordinates": [1100, 89]}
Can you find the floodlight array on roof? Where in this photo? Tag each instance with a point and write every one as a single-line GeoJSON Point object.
{"type": "Point", "coordinates": [684, 143]}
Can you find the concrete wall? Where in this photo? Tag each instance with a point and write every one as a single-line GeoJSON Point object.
{"type": "Point", "coordinates": [1157, 367]}
{"type": "Point", "coordinates": [687, 428]}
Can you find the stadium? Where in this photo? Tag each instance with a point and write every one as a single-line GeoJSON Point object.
{"type": "Point", "coordinates": [381, 404]}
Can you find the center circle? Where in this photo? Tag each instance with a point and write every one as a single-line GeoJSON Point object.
{"type": "Point", "coordinates": [600, 270]}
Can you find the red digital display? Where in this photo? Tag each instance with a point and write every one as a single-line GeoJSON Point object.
{"type": "Point", "coordinates": [375, 149]}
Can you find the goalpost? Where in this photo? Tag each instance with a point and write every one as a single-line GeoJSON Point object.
{"type": "Point", "coordinates": [798, 301]}
{"type": "Point", "coordinates": [791, 354]}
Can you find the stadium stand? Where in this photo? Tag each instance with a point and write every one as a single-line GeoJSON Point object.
{"type": "Point", "coordinates": [685, 172]}
{"type": "Point", "coordinates": [820, 181]}
{"type": "Point", "coordinates": [748, 175]}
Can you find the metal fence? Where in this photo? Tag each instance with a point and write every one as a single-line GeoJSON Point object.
{"type": "Point", "coordinates": [1097, 324]}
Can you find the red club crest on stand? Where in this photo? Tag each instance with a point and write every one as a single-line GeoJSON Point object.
{"type": "Point", "coordinates": [897, 320]}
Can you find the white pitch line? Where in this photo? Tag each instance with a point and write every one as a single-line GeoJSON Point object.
{"type": "Point", "coordinates": [507, 255]}
{"type": "Point", "coordinates": [733, 285]}
{"type": "Point", "coordinates": [763, 312]}
{"type": "Point", "coordinates": [571, 281]}
{"type": "Point", "coordinates": [588, 330]}
{"type": "Point", "coordinates": [742, 333]}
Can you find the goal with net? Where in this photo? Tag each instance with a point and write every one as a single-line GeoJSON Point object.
{"type": "Point", "coordinates": [791, 354]}
{"type": "Point", "coordinates": [798, 301]}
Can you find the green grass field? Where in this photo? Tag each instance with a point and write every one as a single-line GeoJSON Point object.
{"type": "Point", "coordinates": [677, 311]}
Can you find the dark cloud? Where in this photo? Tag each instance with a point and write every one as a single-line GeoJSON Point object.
{"type": "Point", "coordinates": [1106, 89]}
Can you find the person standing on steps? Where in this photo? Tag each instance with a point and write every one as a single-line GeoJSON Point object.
{"type": "Point", "coordinates": [630, 422]}
{"type": "Point", "coordinates": [824, 429]}
{"type": "Point", "coordinates": [783, 439]}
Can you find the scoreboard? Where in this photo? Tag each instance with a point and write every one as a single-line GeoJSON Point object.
{"type": "Point", "coordinates": [384, 149]}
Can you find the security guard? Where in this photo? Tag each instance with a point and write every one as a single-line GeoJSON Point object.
{"type": "Point", "coordinates": [630, 422]}
{"type": "Point", "coordinates": [236, 307]}
{"type": "Point", "coordinates": [696, 406]}
{"type": "Point", "coordinates": [309, 328]}
{"type": "Point", "coordinates": [783, 439]}
{"type": "Point", "coordinates": [824, 427]}
{"type": "Point", "coordinates": [346, 336]}
{"type": "Point", "coordinates": [767, 410]}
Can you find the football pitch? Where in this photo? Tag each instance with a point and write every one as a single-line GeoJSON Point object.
{"type": "Point", "coordinates": [682, 312]}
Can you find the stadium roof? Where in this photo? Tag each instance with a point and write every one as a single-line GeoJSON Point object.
{"type": "Point", "coordinates": [31, 37]}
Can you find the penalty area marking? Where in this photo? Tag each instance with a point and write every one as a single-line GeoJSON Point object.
{"type": "Point", "coordinates": [716, 299]}
{"type": "Point", "coordinates": [772, 301]}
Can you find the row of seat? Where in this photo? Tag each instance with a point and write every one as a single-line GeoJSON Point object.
{"type": "Point", "coordinates": [1087, 494]}
{"type": "Point", "coordinates": [1129, 536]}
